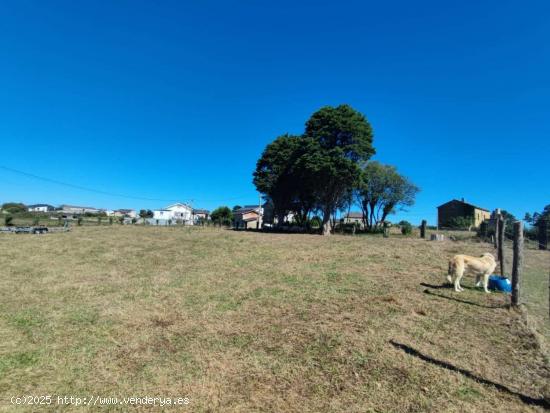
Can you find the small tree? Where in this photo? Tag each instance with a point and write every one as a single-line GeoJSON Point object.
{"type": "Point", "coordinates": [134, 220]}
{"type": "Point", "coordinates": [145, 213]}
{"type": "Point", "coordinates": [121, 220]}
{"type": "Point", "coordinates": [8, 220]}
{"type": "Point", "coordinates": [406, 227]}
{"type": "Point", "coordinates": [79, 221]}
{"type": "Point", "coordinates": [381, 191]}
{"type": "Point", "coordinates": [222, 215]}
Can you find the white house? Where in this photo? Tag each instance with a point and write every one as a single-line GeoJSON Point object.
{"type": "Point", "coordinates": [177, 213]}
{"type": "Point", "coordinates": [354, 218]}
{"type": "Point", "coordinates": [40, 208]}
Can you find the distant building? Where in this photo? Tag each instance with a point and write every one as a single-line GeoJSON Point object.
{"type": "Point", "coordinates": [354, 218]}
{"type": "Point", "coordinates": [40, 208]}
{"type": "Point", "coordinates": [175, 213]}
{"type": "Point", "coordinates": [248, 217]}
{"type": "Point", "coordinates": [71, 209]}
{"type": "Point", "coordinates": [200, 214]}
{"type": "Point", "coordinates": [130, 213]}
{"type": "Point", "coordinates": [451, 210]}
{"type": "Point", "coordinates": [269, 218]}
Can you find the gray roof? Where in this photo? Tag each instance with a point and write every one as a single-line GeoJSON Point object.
{"type": "Point", "coordinates": [40, 205]}
{"type": "Point", "coordinates": [201, 211]}
{"type": "Point", "coordinates": [244, 210]}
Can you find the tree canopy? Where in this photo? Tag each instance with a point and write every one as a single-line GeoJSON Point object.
{"type": "Point", "coordinates": [536, 217]}
{"type": "Point", "coordinates": [14, 207]}
{"type": "Point", "coordinates": [222, 215]}
{"type": "Point", "coordinates": [381, 191]}
{"type": "Point", "coordinates": [317, 171]}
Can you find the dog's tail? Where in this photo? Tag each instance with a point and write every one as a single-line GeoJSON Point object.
{"type": "Point", "coordinates": [451, 271]}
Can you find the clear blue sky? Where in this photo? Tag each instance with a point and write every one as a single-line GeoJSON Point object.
{"type": "Point", "coordinates": [176, 100]}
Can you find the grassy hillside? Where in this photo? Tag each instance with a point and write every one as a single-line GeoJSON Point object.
{"type": "Point", "coordinates": [241, 321]}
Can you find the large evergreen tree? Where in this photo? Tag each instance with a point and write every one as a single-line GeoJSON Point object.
{"type": "Point", "coordinates": [316, 171]}
{"type": "Point", "coordinates": [341, 140]}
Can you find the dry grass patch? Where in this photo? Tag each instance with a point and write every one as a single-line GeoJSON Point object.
{"type": "Point", "coordinates": [258, 322]}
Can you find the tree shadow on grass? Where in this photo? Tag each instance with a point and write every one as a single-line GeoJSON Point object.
{"type": "Point", "coordinates": [526, 399]}
{"type": "Point", "coordinates": [427, 291]}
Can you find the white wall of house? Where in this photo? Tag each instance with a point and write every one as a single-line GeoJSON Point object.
{"type": "Point", "coordinates": [161, 214]}
{"type": "Point", "coordinates": [176, 213]}
{"type": "Point", "coordinates": [39, 209]}
{"type": "Point", "coordinates": [181, 211]}
{"type": "Point", "coordinates": [79, 210]}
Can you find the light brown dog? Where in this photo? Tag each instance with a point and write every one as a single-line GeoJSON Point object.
{"type": "Point", "coordinates": [481, 267]}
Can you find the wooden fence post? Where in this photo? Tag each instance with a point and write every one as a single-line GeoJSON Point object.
{"type": "Point", "coordinates": [497, 221]}
{"type": "Point", "coordinates": [386, 230]}
{"type": "Point", "coordinates": [518, 263]}
{"type": "Point", "coordinates": [423, 229]}
{"type": "Point", "coordinates": [543, 234]}
{"type": "Point", "coordinates": [501, 226]}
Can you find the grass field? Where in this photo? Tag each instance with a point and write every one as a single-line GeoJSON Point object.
{"type": "Point", "coordinates": [243, 321]}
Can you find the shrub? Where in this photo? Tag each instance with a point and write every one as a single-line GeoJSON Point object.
{"type": "Point", "coordinates": [461, 222]}
{"type": "Point", "coordinates": [315, 222]}
{"type": "Point", "coordinates": [8, 220]}
{"type": "Point", "coordinates": [406, 227]}
{"type": "Point", "coordinates": [79, 221]}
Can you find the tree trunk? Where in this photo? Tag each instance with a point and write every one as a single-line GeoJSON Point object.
{"type": "Point", "coordinates": [326, 227]}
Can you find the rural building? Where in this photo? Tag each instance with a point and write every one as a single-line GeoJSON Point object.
{"type": "Point", "coordinates": [71, 209]}
{"type": "Point", "coordinates": [125, 213]}
{"type": "Point", "coordinates": [200, 214]}
{"type": "Point", "coordinates": [451, 210]}
{"type": "Point", "coordinates": [40, 208]}
{"type": "Point", "coordinates": [177, 213]}
{"type": "Point", "coordinates": [354, 218]}
{"type": "Point", "coordinates": [247, 217]}
{"type": "Point", "coordinates": [269, 218]}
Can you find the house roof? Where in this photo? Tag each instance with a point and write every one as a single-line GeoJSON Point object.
{"type": "Point", "coordinates": [40, 205]}
{"type": "Point", "coordinates": [358, 215]}
{"type": "Point", "coordinates": [177, 204]}
{"type": "Point", "coordinates": [464, 203]}
{"type": "Point", "coordinates": [201, 211]}
{"type": "Point", "coordinates": [245, 210]}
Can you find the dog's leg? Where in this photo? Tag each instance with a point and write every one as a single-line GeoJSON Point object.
{"type": "Point", "coordinates": [478, 280]}
{"type": "Point", "coordinates": [486, 282]}
{"type": "Point", "coordinates": [458, 288]}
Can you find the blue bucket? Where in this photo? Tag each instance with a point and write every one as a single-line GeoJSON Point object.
{"type": "Point", "coordinates": [498, 283]}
